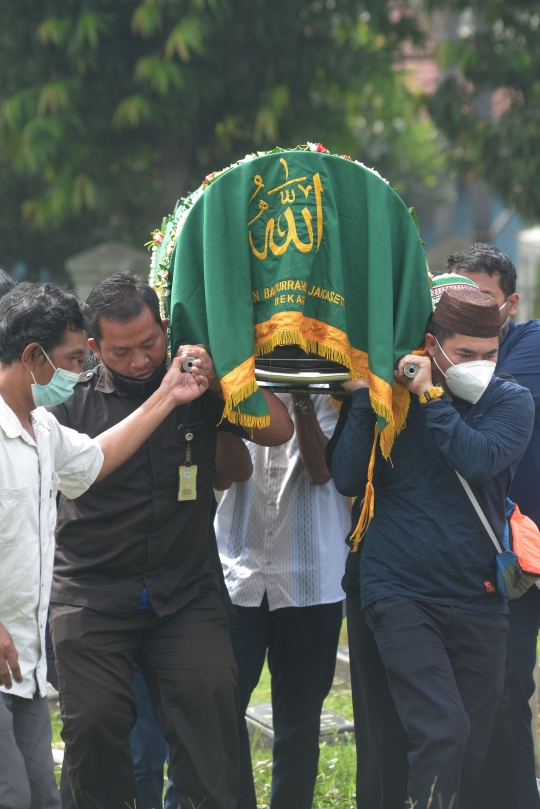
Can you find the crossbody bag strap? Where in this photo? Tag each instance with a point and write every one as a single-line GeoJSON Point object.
{"type": "Point", "coordinates": [484, 522]}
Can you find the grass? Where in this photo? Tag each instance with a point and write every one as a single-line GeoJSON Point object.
{"type": "Point", "coordinates": [335, 787]}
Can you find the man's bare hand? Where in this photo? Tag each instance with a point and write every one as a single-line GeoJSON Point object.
{"type": "Point", "coordinates": [9, 660]}
{"type": "Point", "coordinates": [423, 380]}
{"type": "Point", "coordinates": [354, 384]}
{"type": "Point", "coordinates": [207, 364]}
{"type": "Point", "coordinates": [184, 386]}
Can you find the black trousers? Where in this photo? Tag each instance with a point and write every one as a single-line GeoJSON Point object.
{"type": "Point", "coordinates": [509, 781]}
{"type": "Point", "coordinates": [382, 745]}
{"type": "Point", "coordinates": [302, 644]}
{"type": "Point", "coordinates": [190, 672]}
{"type": "Point", "coordinates": [446, 670]}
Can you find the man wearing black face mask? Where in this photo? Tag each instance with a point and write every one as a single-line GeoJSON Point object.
{"type": "Point", "coordinates": [133, 578]}
{"type": "Point", "coordinates": [427, 576]}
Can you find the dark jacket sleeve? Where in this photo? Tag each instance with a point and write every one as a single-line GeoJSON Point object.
{"type": "Point", "coordinates": [498, 438]}
{"type": "Point", "coordinates": [342, 420]}
{"type": "Point", "coordinates": [349, 449]}
{"type": "Point", "coordinates": [523, 363]}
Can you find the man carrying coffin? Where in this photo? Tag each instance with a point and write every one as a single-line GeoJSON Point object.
{"type": "Point", "coordinates": [133, 578]}
{"type": "Point", "coordinates": [43, 343]}
{"type": "Point", "coordinates": [428, 573]}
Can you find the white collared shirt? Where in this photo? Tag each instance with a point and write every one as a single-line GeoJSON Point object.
{"type": "Point", "coordinates": [31, 473]}
{"type": "Point", "coordinates": [281, 534]}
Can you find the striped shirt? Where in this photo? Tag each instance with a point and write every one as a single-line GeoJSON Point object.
{"type": "Point", "coordinates": [278, 533]}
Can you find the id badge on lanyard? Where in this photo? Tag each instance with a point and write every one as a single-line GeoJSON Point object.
{"type": "Point", "coordinates": [187, 483]}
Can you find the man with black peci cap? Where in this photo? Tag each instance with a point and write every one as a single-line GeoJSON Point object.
{"type": "Point", "coordinates": [427, 577]}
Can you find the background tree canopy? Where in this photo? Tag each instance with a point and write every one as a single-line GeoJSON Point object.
{"type": "Point", "coordinates": [488, 103]}
{"type": "Point", "coordinates": [112, 109]}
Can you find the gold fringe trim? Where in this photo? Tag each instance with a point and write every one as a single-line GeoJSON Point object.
{"type": "Point", "coordinates": [244, 419]}
{"type": "Point", "coordinates": [396, 418]}
{"type": "Point", "coordinates": [308, 344]}
{"type": "Point", "coordinates": [368, 505]}
{"type": "Point", "coordinates": [395, 413]}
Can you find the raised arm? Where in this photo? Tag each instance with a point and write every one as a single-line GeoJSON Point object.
{"type": "Point", "coordinates": [233, 461]}
{"type": "Point", "coordinates": [498, 439]}
{"type": "Point", "coordinates": [312, 443]}
{"type": "Point", "coordinates": [348, 456]}
{"type": "Point", "coordinates": [281, 427]}
{"type": "Point", "coordinates": [121, 441]}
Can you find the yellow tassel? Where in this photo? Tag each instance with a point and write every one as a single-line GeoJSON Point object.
{"type": "Point", "coordinates": [291, 337]}
{"type": "Point", "coordinates": [394, 426]}
{"type": "Point", "coordinates": [368, 506]}
{"type": "Point", "coordinates": [244, 419]}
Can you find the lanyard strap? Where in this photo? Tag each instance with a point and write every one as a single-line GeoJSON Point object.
{"type": "Point", "coordinates": [478, 512]}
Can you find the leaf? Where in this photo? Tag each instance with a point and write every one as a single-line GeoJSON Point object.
{"type": "Point", "coordinates": [131, 111]}
{"type": "Point", "coordinates": [53, 30]}
{"type": "Point", "coordinates": [266, 120]}
{"type": "Point", "coordinates": [186, 37]}
{"type": "Point", "coordinates": [417, 223]}
{"type": "Point", "coordinates": [146, 19]}
{"type": "Point", "coordinates": [19, 106]}
{"type": "Point", "coordinates": [53, 97]}
{"type": "Point", "coordinates": [159, 75]}
{"type": "Point", "coordinates": [84, 192]}
{"type": "Point", "coordinates": [89, 26]}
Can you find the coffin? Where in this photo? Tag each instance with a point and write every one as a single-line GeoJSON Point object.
{"type": "Point", "coordinates": [295, 268]}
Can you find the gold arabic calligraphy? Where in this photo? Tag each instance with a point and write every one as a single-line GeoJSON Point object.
{"type": "Point", "coordinates": [287, 197]}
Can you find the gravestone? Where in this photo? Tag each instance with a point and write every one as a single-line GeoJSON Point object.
{"type": "Point", "coordinates": [88, 268]}
{"type": "Point", "coordinates": [261, 728]}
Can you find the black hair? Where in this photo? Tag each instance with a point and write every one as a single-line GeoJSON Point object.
{"type": "Point", "coordinates": [483, 257]}
{"type": "Point", "coordinates": [7, 282]}
{"type": "Point", "coordinates": [439, 332]}
{"type": "Point", "coordinates": [120, 297]}
{"type": "Point", "coordinates": [36, 314]}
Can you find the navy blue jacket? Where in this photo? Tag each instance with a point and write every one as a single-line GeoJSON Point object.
{"type": "Point", "coordinates": [519, 355]}
{"type": "Point", "coordinates": [423, 542]}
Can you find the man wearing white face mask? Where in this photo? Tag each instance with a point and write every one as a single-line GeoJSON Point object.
{"type": "Point", "coordinates": [427, 576]}
{"type": "Point", "coordinates": [42, 347]}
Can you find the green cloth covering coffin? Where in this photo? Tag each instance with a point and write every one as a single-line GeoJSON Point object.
{"type": "Point", "coordinates": [298, 247]}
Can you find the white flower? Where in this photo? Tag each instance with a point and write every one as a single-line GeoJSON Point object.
{"type": "Point", "coordinates": [312, 147]}
{"type": "Point", "coordinates": [373, 171]}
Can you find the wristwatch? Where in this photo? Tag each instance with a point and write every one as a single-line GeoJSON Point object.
{"type": "Point", "coordinates": [438, 392]}
{"type": "Point", "coordinates": [304, 407]}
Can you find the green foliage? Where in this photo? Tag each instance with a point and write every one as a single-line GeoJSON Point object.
{"type": "Point", "coordinates": [109, 111]}
{"type": "Point", "coordinates": [497, 51]}
{"type": "Point", "coordinates": [336, 781]}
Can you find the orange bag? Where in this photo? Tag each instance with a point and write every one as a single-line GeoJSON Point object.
{"type": "Point", "coordinates": [524, 541]}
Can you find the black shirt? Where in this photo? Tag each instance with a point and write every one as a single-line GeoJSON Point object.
{"type": "Point", "coordinates": [129, 531]}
